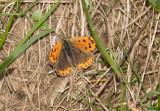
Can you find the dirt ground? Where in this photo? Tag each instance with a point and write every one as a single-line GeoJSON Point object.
{"type": "Point", "coordinates": [31, 84]}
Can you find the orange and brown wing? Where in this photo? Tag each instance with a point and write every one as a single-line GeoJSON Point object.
{"type": "Point", "coordinates": [84, 43]}
{"type": "Point", "coordinates": [81, 58]}
{"type": "Point", "coordinates": [57, 55]}
{"type": "Point", "coordinates": [81, 48]}
{"type": "Point", "coordinates": [63, 65]}
{"type": "Point", "coordinates": [55, 52]}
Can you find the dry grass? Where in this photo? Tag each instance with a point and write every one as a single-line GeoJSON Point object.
{"type": "Point", "coordinates": [31, 82]}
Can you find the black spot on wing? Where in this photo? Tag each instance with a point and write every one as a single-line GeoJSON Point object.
{"type": "Point", "coordinates": [92, 41]}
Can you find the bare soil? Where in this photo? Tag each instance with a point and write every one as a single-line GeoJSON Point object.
{"type": "Point", "coordinates": [31, 84]}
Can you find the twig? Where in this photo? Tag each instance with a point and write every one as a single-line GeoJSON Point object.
{"type": "Point", "coordinates": [124, 57]}
{"type": "Point", "coordinates": [138, 35]}
{"type": "Point", "coordinates": [147, 59]}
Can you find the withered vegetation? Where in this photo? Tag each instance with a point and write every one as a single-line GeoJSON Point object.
{"type": "Point", "coordinates": [30, 82]}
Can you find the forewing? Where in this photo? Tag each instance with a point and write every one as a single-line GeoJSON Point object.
{"type": "Point", "coordinates": [54, 53]}
{"type": "Point", "coordinates": [84, 43]}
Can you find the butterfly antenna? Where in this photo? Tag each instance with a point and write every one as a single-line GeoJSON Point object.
{"type": "Point", "coordinates": [61, 35]}
{"type": "Point", "coordinates": [57, 34]}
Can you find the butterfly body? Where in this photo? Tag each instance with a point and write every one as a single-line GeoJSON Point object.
{"type": "Point", "coordinates": [72, 53]}
{"type": "Point", "coordinates": [67, 48]}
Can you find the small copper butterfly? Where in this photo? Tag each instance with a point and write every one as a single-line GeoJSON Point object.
{"type": "Point", "coordinates": [72, 53]}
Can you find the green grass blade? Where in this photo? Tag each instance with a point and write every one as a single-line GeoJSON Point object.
{"type": "Point", "coordinates": [8, 26]}
{"type": "Point", "coordinates": [9, 59]}
{"type": "Point", "coordinates": [114, 56]}
{"type": "Point", "coordinates": [37, 25]}
{"type": "Point", "coordinates": [21, 49]}
{"type": "Point", "coordinates": [98, 42]}
{"type": "Point", "coordinates": [87, 101]}
{"type": "Point", "coordinates": [109, 7]}
{"type": "Point", "coordinates": [7, 14]}
{"type": "Point", "coordinates": [91, 94]}
{"type": "Point", "coordinates": [155, 5]}
{"type": "Point", "coordinates": [122, 97]}
{"type": "Point", "coordinates": [6, 31]}
{"type": "Point", "coordinates": [105, 102]}
{"type": "Point", "coordinates": [21, 13]}
{"type": "Point", "coordinates": [90, 3]}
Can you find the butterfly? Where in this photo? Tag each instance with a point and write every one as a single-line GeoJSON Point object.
{"type": "Point", "coordinates": [75, 52]}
